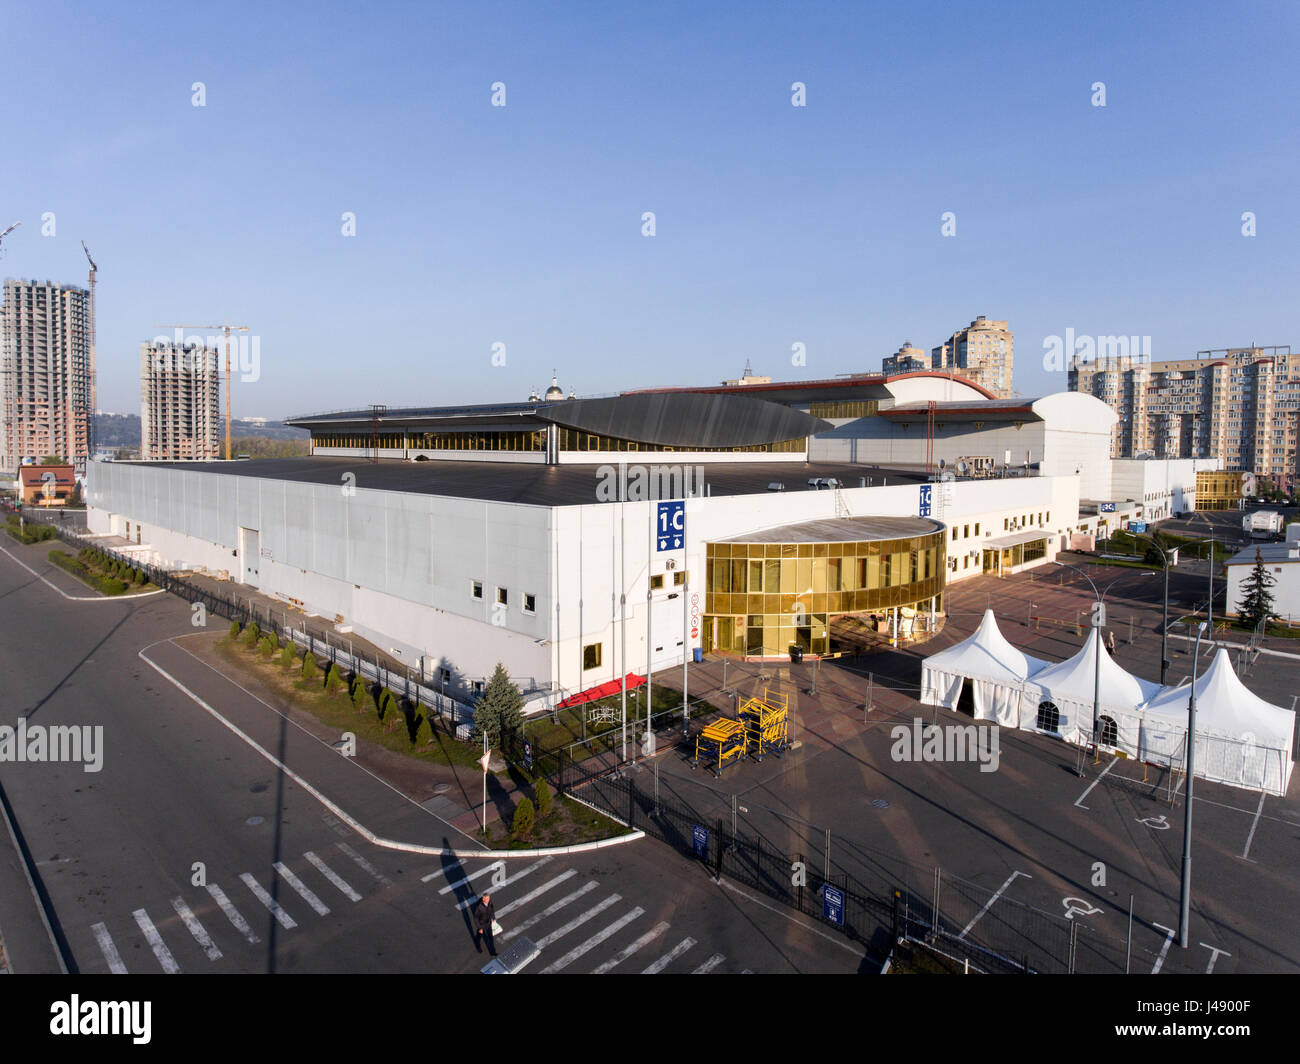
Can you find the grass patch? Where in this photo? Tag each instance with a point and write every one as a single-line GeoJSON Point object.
{"type": "Point", "coordinates": [1279, 631]}
{"type": "Point", "coordinates": [94, 577]}
{"type": "Point", "coordinates": [31, 533]}
{"type": "Point", "coordinates": [913, 958]}
{"type": "Point", "coordinates": [420, 738]}
{"type": "Point", "coordinates": [569, 823]}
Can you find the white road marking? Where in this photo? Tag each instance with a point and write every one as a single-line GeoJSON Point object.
{"type": "Point", "coordinates": [755, 900]}
{"type": "Point", "coordinates": [507, 881]}
{"type": "Point", "coordinates": [536, 893]}
{"type": "Point", "coordinates": [200, 934]}
{"type": "Point", "coordinates": [365, 865]}
{"type": "Point", "coordinates": [989, 904]}
{"type": "Point", "coordinates": [1079, 801]}
{"type": "Point", "coordinates": [669, 957]}
{"type": "Point", "coordinates": [286, 921]}
{"type": "Point", "coordinates": [344, 887]}
{"type": "Point", "coordinates": [109, 950]}
{"type": "Point", "coordinates": [1214, 955]}
{"type": "Point", "coordinates": [533, 921]}
{"type": "Point", "coordinates": [1251, 837]}
{"type": "Point", "coordinates": [307, 895]}
{"type": "Point", "coordinates": [232, 914]}
{"type": "Point", "coordinates": [636, 946]}
{"type": "Point", "coordinates": [709, 965]}
{"type": "Point", "coordinates": [466, 879]}
{"type": "Point", "coordinates": [156, 943]}
{"type": "Point", "coordinates": [578, 921]}
{"type": "Point", "coordinates": [1164, 950]}
{"type": "Point", "coordinates": [594, 941]}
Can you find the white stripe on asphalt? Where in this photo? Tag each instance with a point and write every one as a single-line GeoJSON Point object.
{"type": "Point", "coordinates": [507, 881]}
{"type": "Point", "coordinates": [200, 934]}
{"type": "Point", "coordinates": [989, 904]}
{"type": "Point", "coordinates": [156, 943]}
{"type": "Point", "coordinates": [639, 944]}
{"type": "Point", "coordinates": [536, 893]}
{"type": "Point", "coordinates": [593, 942]}
{"type": "Point", "coordinates": [579, 920]}
{"type": "Point", "coordinates": [709, 965]}
{"type": "Point", "coordinates": [286, 921]}
{"type": "Point", "coordinates": [1079, 801]}
{"type": "Point", "coordinates": [1253, 825]}
{"type": "Point", "coordinates": [365, 865]}
{"type": "Point", "coordinates": [534, 920]}
{"type": "Point", "coordinates": [669, 957]}
{"type": "Point", "coordinates": [307, 894]}
{"type": "Point", "coordinates": [333, 877]}
{"type": "Point", "coordinates": [232, 914]}
{"type": "Point", "coordinates": [109, 950]}
{"type": "Point", "coordinates": [461, 882]}
{"type": "Point", "coordinates": [1164, 950]}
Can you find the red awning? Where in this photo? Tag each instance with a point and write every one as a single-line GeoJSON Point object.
{"type": "Point", "coordinates": [594, 694]}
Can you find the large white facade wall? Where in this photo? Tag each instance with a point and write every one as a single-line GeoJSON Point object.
{"type": "Point", "coordinates": [398, 567]}
{"type": "Point", "coordinates": [1164, 486]}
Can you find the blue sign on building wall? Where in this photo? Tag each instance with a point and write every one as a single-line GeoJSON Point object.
{"type": "Point", "coordinates": [669, 526]}
{"type": "Point", "coordinates": [926, 489]}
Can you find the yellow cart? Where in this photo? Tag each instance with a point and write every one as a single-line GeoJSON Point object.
{"type": "Point", "coordinates": [718, 744]}
{"type": "Point", "coordinates": [766, 721]}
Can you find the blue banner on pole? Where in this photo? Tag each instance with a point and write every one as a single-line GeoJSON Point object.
{"type": "Point", "coordinates": [700, 841]}
{"type": "Point", "coordinates": [833, 905]}
{"type": "Point", "coordinates": [669, 526]}
{"type": "Point", "coordinates": [528, 755]}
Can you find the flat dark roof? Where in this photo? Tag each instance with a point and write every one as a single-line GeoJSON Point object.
{"type": "Point", "coordinates": [532, 484]}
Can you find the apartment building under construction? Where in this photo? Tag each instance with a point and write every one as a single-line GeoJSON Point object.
{"type": "Point", "coordinates": [1240, 405]}
{"type": "Point", "coordinates": [180, 402]}
{"type": "Point", "coordinates": [47, 373]}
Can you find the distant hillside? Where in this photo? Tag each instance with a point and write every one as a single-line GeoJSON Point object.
{"type": "Point", "coordinates": [123, 430]}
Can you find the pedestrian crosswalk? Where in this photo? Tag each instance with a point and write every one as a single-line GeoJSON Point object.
{"type": "Point", "coordinates": [575, 925]}
{"type": "Point", "coordinates": [219, 904]}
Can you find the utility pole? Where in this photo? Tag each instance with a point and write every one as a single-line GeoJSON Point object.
{"type": "Point", "coordinates": [1185, 892]}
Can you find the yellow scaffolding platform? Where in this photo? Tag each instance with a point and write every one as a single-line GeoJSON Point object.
{"type": "Point", "coordinates": [718, 744]}
{"type": "Point", "coordinates": [766, 721]}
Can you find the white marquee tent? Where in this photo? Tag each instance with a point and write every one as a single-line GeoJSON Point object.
{"type": "Point", "coordinates": [996, 671]}
{"type": "Point", "coordinates": [1059, 699]}
{"type": "Point", "coordinates": [1240, 739]}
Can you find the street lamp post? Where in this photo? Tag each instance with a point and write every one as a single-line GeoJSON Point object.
{"type": "Point", "coordinates": [1164, 626]}
{"type": "Point", "coordinates": [1185, 895]}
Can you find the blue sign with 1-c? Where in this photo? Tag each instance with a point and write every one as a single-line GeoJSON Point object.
{"type": "Point", "coordinates": [700, 841]}
{"type": "Point", "coordinates": [833, 905]}
{"type": "Point", "coordinates": [670, 525]}
{"type": "Point", "coordinates": [926, 490]}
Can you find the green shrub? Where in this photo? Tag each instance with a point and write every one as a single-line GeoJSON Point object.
{"type": "Point", "coordinates": [268, 646]}
{"type": "Point", "coordinates": [309, 668]}
{"type": "Point", "coordinates": [286, 655]}
{"type": "Point", "coordinates": [522, 825]}
{"type": "Point", "coordinates": [140, 577]}
{"type": "Point", "coordinates": [234, 629]}
{"type": "Point", "coordinates": [333, 681]}
{"type": "Point", "coordinates": [252, 634]}
{"type": "Point", "coordinates": [359, 693]}
{"type": "Point", "coordinates": [111, 586]}
{"type": "Point", "coordinates": [543, 792]}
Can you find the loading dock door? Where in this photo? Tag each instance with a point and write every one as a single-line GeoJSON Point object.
{"type": "Point", "coordinates": [250, 555]}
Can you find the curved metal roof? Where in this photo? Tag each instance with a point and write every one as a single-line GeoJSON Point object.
{"type": "Point", "coordinates": [843, 530]}
{"type": "Point", "coordinates": [665, 419]}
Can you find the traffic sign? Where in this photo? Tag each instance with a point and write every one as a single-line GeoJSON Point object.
{"type": "Point", "coordinates": [700, 841]}
{"type": "Point", "coordinates": [833, 905]}
{"type": "Point", "coordinates": [528, 755]}
{"type": "Point", "coordinates": [670, 526]}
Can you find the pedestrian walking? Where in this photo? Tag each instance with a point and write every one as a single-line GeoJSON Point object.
{"type": "Point", "coordinates": [485, 923]}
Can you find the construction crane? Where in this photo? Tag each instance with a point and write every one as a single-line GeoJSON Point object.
{"type": "Point", "coordinates": [227, 328]}
{"type": "Point", "coordinates": [90, 443]}
{"type": "Point", "coordinates": [10, 230]}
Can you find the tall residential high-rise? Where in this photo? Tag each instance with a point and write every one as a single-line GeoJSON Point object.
{"type": "Point", "coordinates": [180, 402]}
{"type": "Point", "coordinates": [1240, 405]}
{"type": "Point", "coordinates": [47, 374]}
{"type": "Point", "coordinates": [982, 352]}
{"type": "Point", "coordinates": [907, 359]}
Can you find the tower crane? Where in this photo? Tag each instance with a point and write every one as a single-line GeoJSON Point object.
{"type": "Point", "coordinates": [227, 328]}
{"type": "Point", "coordinates": [10, 230]}
{"type": "Point", "coordinates": [93, 271]}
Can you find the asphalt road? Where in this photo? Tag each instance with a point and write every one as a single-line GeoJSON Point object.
{"type": "Point", "coordinates": [203, 844]}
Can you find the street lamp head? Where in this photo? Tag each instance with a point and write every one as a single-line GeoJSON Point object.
{"type": "Point", "coordinates": [1200, 628]}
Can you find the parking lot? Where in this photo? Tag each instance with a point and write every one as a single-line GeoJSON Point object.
{"type": "Point", "coordinates": [1024, 851]}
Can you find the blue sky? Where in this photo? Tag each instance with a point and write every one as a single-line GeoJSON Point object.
{"type": "Point", "coordinates": [775, 225]}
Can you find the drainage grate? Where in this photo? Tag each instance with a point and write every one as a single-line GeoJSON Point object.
{"type": "Point", "coordinates": [880, 803]}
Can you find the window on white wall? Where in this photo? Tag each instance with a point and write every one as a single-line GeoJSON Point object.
{"type": "Point", "coordinates": [476, 588]}
{"type": "Point", "coordinates": [530, 603]}
{"type": "Point", "coordinates": [503, 596]}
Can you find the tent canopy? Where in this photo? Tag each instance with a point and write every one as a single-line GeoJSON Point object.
{"type": "Point", "coordinates": [1077, 677]}
{"type": "Point", "coordinates": [986, 655]}
{"type": "Point", "coordinates": [1225, 706]}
